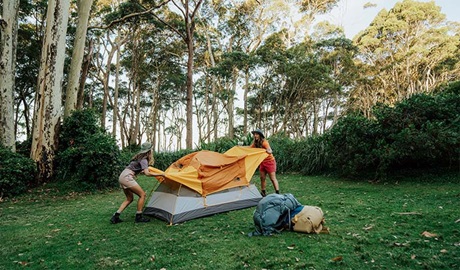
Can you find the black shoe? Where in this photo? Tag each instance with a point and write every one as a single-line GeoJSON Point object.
{"type": "Point", "coordinates": [140, 218]}
{"type": "Point", "coordinates": [115, 219]}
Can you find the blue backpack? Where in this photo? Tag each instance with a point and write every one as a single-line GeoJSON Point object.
{"type": "Point", "coordinates": [273, 213]}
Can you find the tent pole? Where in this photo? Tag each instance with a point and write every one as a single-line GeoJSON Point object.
{"type": "Point", "coordinates": [150, 195]}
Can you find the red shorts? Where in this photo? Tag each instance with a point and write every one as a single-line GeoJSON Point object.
{"type": "Point", "coordinates": [268, 166]}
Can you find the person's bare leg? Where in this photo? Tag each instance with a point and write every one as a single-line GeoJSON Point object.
{"type": "Point", "coordinates": [263, 183]}
{"type": "Point", "coordinates": [140, 203]}
{"type": "Point", "coordinates": [141, 193]}
{"type": "Point", "coordinates": [129, 199]}
{"type": "Point", "coordinates": [272, 176]}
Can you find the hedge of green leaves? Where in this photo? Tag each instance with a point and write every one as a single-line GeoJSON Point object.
{"type": "Point", "coordinates": [420, 132]}
{"type": "Point", "coordinates": [88, 155]}
{"type": "Point", "coordinates": [17, 172]}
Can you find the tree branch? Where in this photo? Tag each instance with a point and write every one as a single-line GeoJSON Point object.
{"type": "Point", "coordinates": [170, 26]}
{"type": "Point", "coordinates": [128, 16]}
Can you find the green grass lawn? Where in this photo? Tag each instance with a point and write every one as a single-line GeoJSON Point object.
{"type": "Point", "coordinates": [372, 226]}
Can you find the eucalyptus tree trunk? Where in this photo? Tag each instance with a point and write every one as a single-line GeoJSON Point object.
{"type": "Point", "coordinates": [8, 43]}
{"type": "Point", "coordinates": [105, 80]}
{"type": "Point", "coordinates": [115, 95]}
{"type": "Point", "coordinates": [49, 91]}
{"type": "Point", "coordinates": [212, 114]}
{"type": "Point", "coordinates": [123, 129]}
{"type": "Point", "coordinates": [231, 106]}
{"type": "Point", "coordinates": [84, 74]}
{"type": "Point", "coordinates": [245, 102]}
{"type": "Point", "coordinates": [214, 110]}
{"type": "Point", "coordinates": [189, 90]}
{"type": "Point", "coordinates": [315, 117]}
{"type": "Point", "coordinates": [137, 119]}
{"type": "Point", "coordinates": [153, 116]}
{"type": "Point", "coordinates": [84, 7]}
{"type": "Point", "coordinates": [189, 14]}
{"type": "Point", "coordinates": [135, 112]}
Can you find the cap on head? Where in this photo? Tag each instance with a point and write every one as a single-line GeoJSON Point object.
{"type": "Point", "coordinates": [145, 147]}
{"type": "Point", "coordinates": [258, 131]}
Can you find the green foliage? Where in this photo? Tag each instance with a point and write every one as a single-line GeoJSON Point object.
{"type": "Point", "coordinates": [451, 88]}
{"type": "Point", "coordinates": [164, 159]}
{"type": "Point", "coordinates": [24, 147]}
{"type": "Point", "coordinates": [420, 132]}
{"type": "Point", "coordinates": [17, 173]}
{"type": "Point", "coordinates": [309, 156]}
{"type": "Point", "coordinates": [88, 156]}
{"type": "Point", "coordinates": [221, 145]}
{"type": "Point", "coordinates": [350, 145]}
{"type": "Point", "coordinates": [78, 127]}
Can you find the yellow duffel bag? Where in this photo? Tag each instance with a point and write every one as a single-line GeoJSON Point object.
{"type": "Point", "coordinates": [309, 220]}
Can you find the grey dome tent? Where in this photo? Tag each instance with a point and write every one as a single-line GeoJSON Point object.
{"type": "Point", "coordinates": [204, 183]}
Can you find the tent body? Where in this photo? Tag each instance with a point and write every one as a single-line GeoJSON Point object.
{"type": "Point", "coordinates": [204, 183]}
{"type": "Point", "coordinates": [176, 203]}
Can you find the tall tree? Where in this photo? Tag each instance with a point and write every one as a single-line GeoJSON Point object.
{"type": "Point", "coordinates": [49, 90]}
{"type": "Point", "coordinates": [188, 9]}
{"type": "Point", "coordinates": [336, 52]}
{"type": "Point", "coordinates": [30, 39]}
{"type": "Point", "coordinates": [84, 7]}
{"type": "Point", "coordinates": [8, 43]}
{"type": "Point", "coordinates": [404, 51]}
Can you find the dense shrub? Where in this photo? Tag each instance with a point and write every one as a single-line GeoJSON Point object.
{"type": "Point", "coordinates": [310, 155]}
{"type": "Point", "coordinates": [24, 147]}
{"type": "Point", "coordinates": [221, 145]}
{"type": "Point", "coordinates": [88, 156]}
{"type": "Point", "coordinates": [351, 144]}
{"type": "Point", "coordinates": [17, 173]}
{"type": "Point", "coordinates": [77, 128]}
{"type": "Point", "coordinates": [420, 132]}
{"type": "Point", "coordinates": [164, 159]}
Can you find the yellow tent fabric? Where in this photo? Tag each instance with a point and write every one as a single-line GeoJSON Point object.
{"type": "Point", "coordinates": [208, 172]}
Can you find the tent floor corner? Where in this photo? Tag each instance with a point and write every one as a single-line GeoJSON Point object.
{"type": "Point", "coordinates": [176, 203]}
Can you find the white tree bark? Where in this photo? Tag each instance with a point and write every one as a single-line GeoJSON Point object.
{"type": "Point", "coordinates": [8, 43]}
{"type": "Point", "coordinates": [84, 7]}
{"type": "Point", "coordinates": [48, 97]}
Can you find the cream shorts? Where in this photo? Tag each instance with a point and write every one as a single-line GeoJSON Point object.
{"type": "Point", "coordinates": [127, 179]}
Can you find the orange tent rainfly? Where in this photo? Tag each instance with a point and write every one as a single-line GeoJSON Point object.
{"type": "Point", "coordinates": [205, 183]}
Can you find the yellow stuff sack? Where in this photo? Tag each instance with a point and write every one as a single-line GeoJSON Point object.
{"type": "Point", "coordinates": [309, 220]}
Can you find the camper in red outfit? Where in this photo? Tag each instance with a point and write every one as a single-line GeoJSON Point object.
{"type": "Point", "coordinates": [268, 165]}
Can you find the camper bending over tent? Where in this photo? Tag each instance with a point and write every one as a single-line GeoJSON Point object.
{"type": "Point", "coordinates": [277, 212]}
